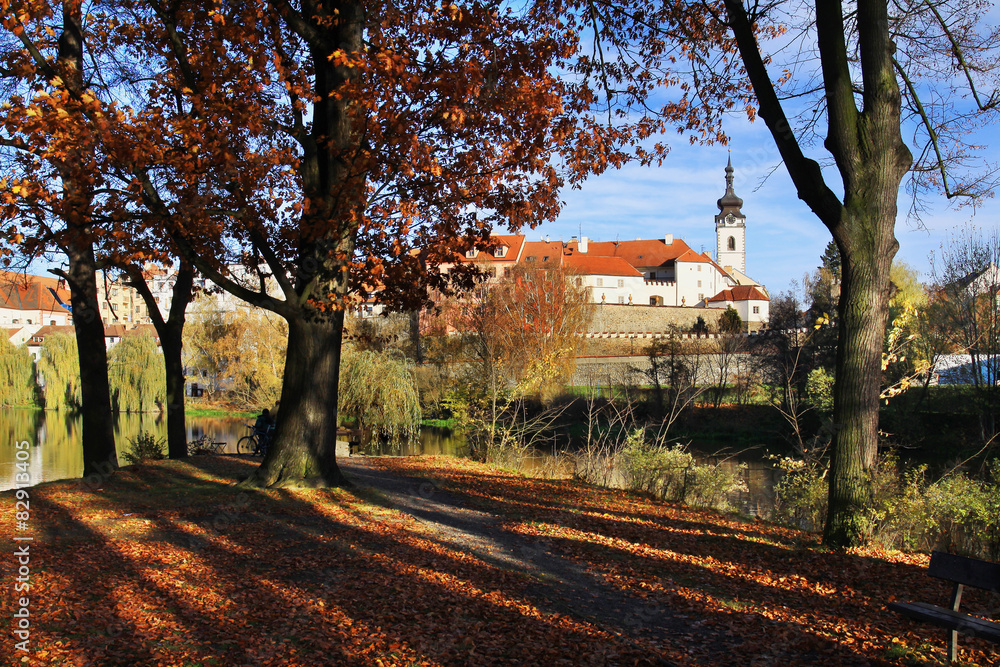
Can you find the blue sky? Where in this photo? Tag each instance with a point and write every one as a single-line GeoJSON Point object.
{"type": "Point", "coordinates": [784, 238]}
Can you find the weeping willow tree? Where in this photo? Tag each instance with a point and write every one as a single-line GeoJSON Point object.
{"type": "Point", "coordinates": [136, 375]}
{"type": "Point", "coordinates": [379, 391]}
{"type": "Point", "coordinates": [17, 375]}
{"type": "Point", "coordinates": [59, 366]}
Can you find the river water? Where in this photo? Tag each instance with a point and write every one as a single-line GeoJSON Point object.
{"type": "Point", "coordinates": [53, 451]}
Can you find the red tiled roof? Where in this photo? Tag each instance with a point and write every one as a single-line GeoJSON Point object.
{"type": "Point", "coordinates": [142, 330]}
{"type": "Point", "coordinates": [20, 291]}
{"type": "Point", "coordinates": [601, 266]}
{"type": "Point", "coordinates": [513, 242]}
{"type": "Point", "coordinates": [53, 329]}
{"type": "Point", "coordinates": [114, 330]}
{"type": "Point", "coordinates": [542, 251]}
{"type": "Point", "coordinates": [740, 293]}
{"type": "Point", "coordinates": [637, 253]}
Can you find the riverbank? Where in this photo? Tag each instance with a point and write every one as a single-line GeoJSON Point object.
{"type": "Point", "coordinates": [442, 561]}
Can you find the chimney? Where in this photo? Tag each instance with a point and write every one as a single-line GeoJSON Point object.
{"type": "Point", "coordinates": [546, 238]}
{"type": "Point", "coordinates": [668, 239]}
{"type": "Point", "coordinates": [582, 245]}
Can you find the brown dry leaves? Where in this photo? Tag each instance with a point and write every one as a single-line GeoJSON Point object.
{"type": "Point", "coordinates": [171, 565]}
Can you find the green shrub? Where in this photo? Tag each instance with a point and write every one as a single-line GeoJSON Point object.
{"type": "Point", "coordinates": [819, 390]}
{"type": "Point", "coordinates": [800, 496]}
{"type": "Point", "coordinates": [903, 509]}
{"type": "Point", "coordinates": [144, 447]}
{"type": "Point", "coordinates": [671, 473]}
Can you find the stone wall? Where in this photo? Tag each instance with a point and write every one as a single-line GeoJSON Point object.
{"type": "Point", "coordinates": [618, 318]}
{"type": "Point", "coordinates": [615, 318]}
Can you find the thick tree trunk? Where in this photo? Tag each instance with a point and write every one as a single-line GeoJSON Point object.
{"type": "Point", "coordinates": [305, 441]}
{"type": "Point", "coordinates": [863, 310]}
{"type": "Point", "coordinates": [99, 454]}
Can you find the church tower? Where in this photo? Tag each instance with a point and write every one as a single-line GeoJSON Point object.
{"type": "Point", "coordinates": [730, 228]}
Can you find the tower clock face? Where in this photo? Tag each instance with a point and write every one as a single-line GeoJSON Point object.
{"type": "Point", "coordinates": [730, 219]}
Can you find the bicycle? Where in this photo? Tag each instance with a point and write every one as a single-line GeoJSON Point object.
{"type": "Point", "coordinates": [255, 443]}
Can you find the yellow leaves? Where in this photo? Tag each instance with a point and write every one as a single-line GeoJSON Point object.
{"type": "Point", "coordinates": [341, 58]}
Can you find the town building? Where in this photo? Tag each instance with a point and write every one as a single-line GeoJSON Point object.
{"type": "Point", "coordinates": [649, 272]}
{"type": "Point", "coordinates": [32, 301]}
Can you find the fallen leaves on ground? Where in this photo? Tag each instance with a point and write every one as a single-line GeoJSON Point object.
{"type": "Point", "coordinates": [170, 564]}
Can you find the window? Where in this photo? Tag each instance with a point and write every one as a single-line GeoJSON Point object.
{"type": "Point", "coordinates": [699, 283]}
{"type": "Point", "coordinates": [579, 282]}
{"type": "Point", "coordinates": [471, 254]}
{"type": "Point", "coordinates": [652, 275]}
{"type": "Point", "coordinates": [621, 299]}
{"type": "Point", "coordinates": [756, 310]}
{"type": "Point", "coordinates": [114, 292]}
{"type": "Point", "coordinates": [501, 251]}
{"type": "Point", "coordinates": [731, 243]}
{"type": "Point", "coordinates": [29, 321]}
{"type": "Point", "coordinates": [600, 282]}
{"type": "Point", "coordinates": [621, 283]}
{"type": "Point", "coordinates": [52, 322]}
{"type": "Point", "coordinates": [701, 297]}
{"type": "Point", "coordinates": [699, 267]}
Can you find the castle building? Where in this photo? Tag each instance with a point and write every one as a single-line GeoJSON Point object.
{"type": "Point", "coordinates": [652, 272]}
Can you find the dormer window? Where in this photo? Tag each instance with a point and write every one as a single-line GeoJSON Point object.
{"type": "Point", "coordinates": [500, 252]}
{"type": "Point", "coordinates": [471, 254]}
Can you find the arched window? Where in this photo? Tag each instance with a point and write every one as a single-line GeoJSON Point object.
{"type": "Point", "coordinates": [731, 244]}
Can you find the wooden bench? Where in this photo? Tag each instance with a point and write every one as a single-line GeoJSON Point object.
{"type": "Point", "coordinates": [961, 571]}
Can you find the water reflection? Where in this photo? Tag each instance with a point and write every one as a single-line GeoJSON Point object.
{"type": "Point", "coordinates": [54, 439]}
{"type": "Point", "coordinates": [55, 452]}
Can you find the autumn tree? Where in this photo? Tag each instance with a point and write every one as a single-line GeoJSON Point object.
{"type": "Point", "coordinates": [51, 166]}
{"type": "Point", "coordinates": [170, 331]}
{"type": "Point", "coordinates": [527, 322]}
{"type": "Point", "coordinates": [333, 139]}
{"type": "Point", "coordinates": [877, 68]}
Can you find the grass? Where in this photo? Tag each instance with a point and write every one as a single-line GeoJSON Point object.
{"type": "Point", "coordinates": [141, 570]}
{"type": "Point", "coordinates": [218, 412]}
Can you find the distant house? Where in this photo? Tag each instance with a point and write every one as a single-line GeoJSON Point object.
{"type": "Point", "coordinates": [29, 300]}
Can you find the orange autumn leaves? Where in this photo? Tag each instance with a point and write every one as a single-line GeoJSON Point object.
{"type": "Point", "coordinates": [171, 565]}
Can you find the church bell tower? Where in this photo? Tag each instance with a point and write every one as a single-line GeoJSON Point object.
{"type": "Point", "coordinates": [730, 228]}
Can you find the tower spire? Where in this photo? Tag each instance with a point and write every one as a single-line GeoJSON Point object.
{"type": "Point", "coordinates": [730, 200]}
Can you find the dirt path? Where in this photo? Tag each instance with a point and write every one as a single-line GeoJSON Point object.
{"type": "Point", "coordinates": [558, 584]}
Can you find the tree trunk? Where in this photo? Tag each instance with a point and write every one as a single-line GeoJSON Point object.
{"type": "Point", "coordinates": [863, 310]}
{"type": "Point", "coordinates": [171, 344]}
{"type": "Point", "coordinates": [99, 454]}
{"type": "Point", "coordinates": [171, 333]}
{"type": "Point", "coordinates": [305, 441]}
